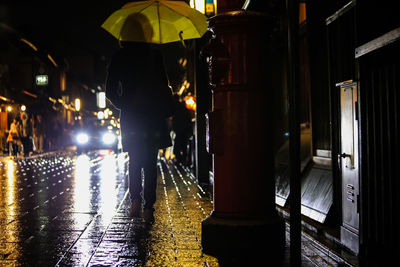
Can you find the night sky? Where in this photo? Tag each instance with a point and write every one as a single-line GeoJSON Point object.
{"type": "Point", "coordinates": [46, 23]}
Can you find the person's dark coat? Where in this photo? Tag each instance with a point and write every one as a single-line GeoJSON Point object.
{"type": "Point", "coordinates": [137, 84]}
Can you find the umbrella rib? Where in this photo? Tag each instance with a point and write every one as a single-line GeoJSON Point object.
{"type": "Point", "coordinates": [159, 20]}
{"type": "Point", "coordinates": [194, 24]}
{"type": "Point", "coordinates": [140, 11]}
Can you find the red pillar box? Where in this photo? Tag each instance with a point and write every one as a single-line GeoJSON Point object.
{"type": "Point", "coordinates": [244, 219]}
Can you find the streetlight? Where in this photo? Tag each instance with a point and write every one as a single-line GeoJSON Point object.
{"type": "Point", "coordinates": [77, 104]}
{"type": "Point", "coordinates": [101, 99]}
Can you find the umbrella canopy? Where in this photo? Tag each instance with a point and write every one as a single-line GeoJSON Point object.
{"type": "Point", "coordinates": [156, 21]}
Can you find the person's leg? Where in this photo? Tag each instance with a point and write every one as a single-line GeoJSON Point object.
{"type": "Point", "coordinates": [24, 146]}
{"type": "Point", "coordinates": [150, 184]}
{"type": "Point", "coordinates": [10, 148]}
{"type": "Point", "coordinates": [15, 148]}
{"type": "Point", "coordinates": [135, 170]}
{"type": "Point", "coordinates": [135, 176]}
{"type": "Point", "coordinates": [150, 177]}
{"type": "Point", "coordinates": [35, 144]}
{"type": "Point", "coordinates": [40, 141]}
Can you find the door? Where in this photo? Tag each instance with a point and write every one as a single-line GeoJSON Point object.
{"type": "Point", "coordinates": [349, 162]}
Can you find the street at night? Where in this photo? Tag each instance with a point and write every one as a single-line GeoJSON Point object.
{"type": "Point", "coordinates": [71, 210]}
{"type": "Point", "coordinates": [199, 133]}
{"type": "Point", "coordinates": [64, 209]}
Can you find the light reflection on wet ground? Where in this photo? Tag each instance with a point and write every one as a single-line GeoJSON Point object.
{"type": "Point", "coordinates": [68, 210]}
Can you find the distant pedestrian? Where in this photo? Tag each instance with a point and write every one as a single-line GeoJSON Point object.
{"type": "Point", "coordinates": [13, 138]}
{"type": "Point", "coordinates": [182, 126]}
{"type": "Point", "coordinates": [54, 134]}
{"type": "Point", "coordinates": [137, 84]}
{"type": "Point", "coordinates": [26, 132]}
{"type": "Point", "coordinates": [39, 133]}
{"type": "Point", "coordinates": [32, 136]}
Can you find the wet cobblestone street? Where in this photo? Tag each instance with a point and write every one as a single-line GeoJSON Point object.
{"type": "Point", "coordinates": [69, 210]}
{"type": "Point", "coordinates": [61, 209]}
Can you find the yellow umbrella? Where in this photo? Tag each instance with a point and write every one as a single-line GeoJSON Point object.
{"type": "Point", "coordinates": [156, 21]}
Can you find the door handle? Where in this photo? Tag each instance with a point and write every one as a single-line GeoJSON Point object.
{"type": "Point", "coordinates": [344, 155]}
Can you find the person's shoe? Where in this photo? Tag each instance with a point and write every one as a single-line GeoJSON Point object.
{"type": "Point", "coordinates": [135, 208]}
{"type": "Point", "coordinates": [148, 216]}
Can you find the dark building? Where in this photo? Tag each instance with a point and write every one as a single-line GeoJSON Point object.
{"type": "Point", "coordinates": [348, 119]}
{"type": "Point", "coordinates": [45, 82]}
{"type": "Point", "coordinates": [349, 72]}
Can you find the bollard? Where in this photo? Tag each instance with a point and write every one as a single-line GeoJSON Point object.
{"type": "Point", "coordinates": [244, 223]}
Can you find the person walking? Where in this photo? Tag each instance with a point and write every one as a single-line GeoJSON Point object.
{"type": "Point", "coordinates": [137, 84]}
{"type": "Point", "coordinates": [39, 132]}
{"type": "Point", "coordinates": [54, 134]}
{"type": "Point", "coordinates": [32, 126]}
{"type": "Point", "coordinates": [26, 132]}
{"type": "Point", "coordinates": [13, 138]}
{"type": "Point", "coordinates": [182, 126]}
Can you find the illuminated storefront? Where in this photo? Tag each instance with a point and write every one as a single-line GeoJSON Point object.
{"type": "Point", "coordinates": [207, 7]}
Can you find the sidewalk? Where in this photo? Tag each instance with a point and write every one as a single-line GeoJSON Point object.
{"type": "Point", "coordinates": [175, 237]}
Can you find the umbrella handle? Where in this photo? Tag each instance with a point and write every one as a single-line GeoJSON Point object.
{"type": "Point", "coordinates": [180, 36]}
{"type": "Point", "coordinates": [166, 73]}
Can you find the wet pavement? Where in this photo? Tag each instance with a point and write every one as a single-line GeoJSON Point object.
{"type": "Point", "coordinates": [61, 209]}
{"type": "Point", "coordinates": [67, 210]}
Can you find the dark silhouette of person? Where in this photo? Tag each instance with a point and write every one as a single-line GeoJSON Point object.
{"type": "Point", "coordinates": [25, 131]}
{"type": "Point", "coordinates": [182, 126]}
{"type": "Point", "coordinates": [137, 84]}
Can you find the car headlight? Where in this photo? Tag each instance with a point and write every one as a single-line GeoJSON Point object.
{"type": "Point", "coordinates": [109, 138]}
{"type": "Point", "coordinates": [82, 138]}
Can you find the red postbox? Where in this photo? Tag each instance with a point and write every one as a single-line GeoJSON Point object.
{"type": "Point", "coordinates": [240, 138]}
